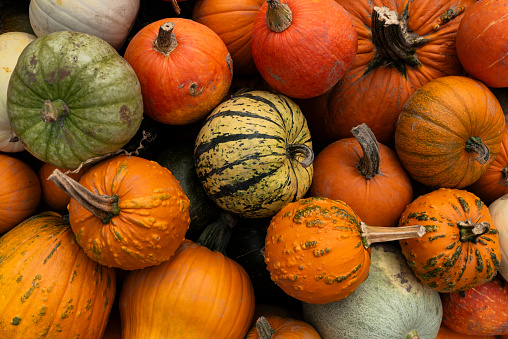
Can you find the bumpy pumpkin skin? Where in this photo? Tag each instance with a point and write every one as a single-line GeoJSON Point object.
{"type": "Point", "coordinates": [48, 285]}
{"type": "Point", "coordinates": [216, 301]}
{"type": "Point", "coordinates": [153, 214]}
{"type": "Point", "coordinates": [314, 250]}
{"type": "Point", "coordinates": [99, 87]}
{"type": "Point", "coordinates": [440, 259]}
{"type": "Point", "coordinates": [438, 122]}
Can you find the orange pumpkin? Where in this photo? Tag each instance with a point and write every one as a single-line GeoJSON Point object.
{"type": "Point", "coordinates": [198, 293]}
{"type": "Point", "coordinates": [20, 192]}
{"type": "Point", "coordinates": [273, 327]}
{"type": "Point", "coordinates": [449, 132]}
{"type": "Point", "coordinates": [232, 21]}
{"type": "Point", "coordinates": [318, 250]}
{"type": "Point", "coordinates": [460, 249]}
{"type": "Point", "coordinates": [127, 212]}
{"type": "Point", "coordinates": [184, 68]}
{"type": "Point", "coordinates": [366, 175]}
{"type": "Point", "coordinates": [446, 333]}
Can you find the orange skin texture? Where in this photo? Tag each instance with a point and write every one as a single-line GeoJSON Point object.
{"type": "Point", "coordinates": [376, 98]}
{"type": "Point", "coordinates": [20, 192]}
{"type": "Point", "coordinates": [312, 54]}
{"type": "Point", "coordinates": [481, 310]}
{"type": "Point", "coordinates": [435, 125]}
{"type": "Point", "coordinates": [198, 294]}
{"type": "Point", "coordinates": [492, 184]}
{"type": "Point", "coordinates": [184, 86]}
{"type": "Point", "coordinates": [378, 201]}
{"type": "Point", "coordinates": [482, 42]}
{"type": "Point", "coordinates": [314, 251]}
{"type": "Point", "coordinates": [446, 333]}
{"type": "Point", "coordinates": [440, 259]}
{"type": "Point", "coordinates": [286, 328]}
{"type": "Point", "coordinates": [232, 21]}
{"type": "Point", "coordinates": [153, 217]}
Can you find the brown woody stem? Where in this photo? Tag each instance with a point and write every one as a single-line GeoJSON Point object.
{"type": "Point", "coordinates": [165, 42]}
{"type": "Point", "coordinates": [294, 151]}
{"type": "Point", "coordinates": [103, 207]}
{"type": "Point", "coordinates": [470, 231]}
{"type": "Point", "coordinates": [373, 234]}
{"type": "Point", "coordinates": [265, 331]}
{"type": "Point", "coordinates": [54, 110]}
{"type": "Point", "coordinates": [278, 16]}
{"type": "Point", "coordinates": [176, 8]}
{"type": "Point", "coordinates": [475, 145]}
{"type": "Point", "coordinates": [369, 163]}
{"type": "Point", "coordinates": [504, 173]}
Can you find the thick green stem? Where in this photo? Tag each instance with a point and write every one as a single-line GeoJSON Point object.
{"type": "Point", "coordinates": [165, 42]}
{"type": "Point", "coordinates": [216, 236]}
{"type": "Point", "coordinates": [470, 231]}
{"type": "Point", "coordinates": [475, 145]}
{"type": "Point", "coordinates": [369, 163]}
{"type": "Point", "coordinates": [295, 151]}
{"type": "Point", "coordinates": [412, 335]}
{"type": "Point", "coordinates": [265, 331]}
{"type": "Point", "coordinates": [54, 110]}
{"type": "Point", "coordinates": [278, 16]}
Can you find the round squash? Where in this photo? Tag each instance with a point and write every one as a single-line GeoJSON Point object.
{"type": "Point", "coordinates": [253, 154]}
{"type": "Point", "coordinates": [274, 327]}
{"type": "Point", "coordinates": [460, 249]}
{"type": "Point", "coordinates": [72, 97]}
{"type": "Point", "coordinates": [48, 286]}
{"type": "Point", "coordinates": [499, 212]}
{"type": "Point", "coordinates": [449, 132]}
{"type": "Point", "coordinates": [391, 303]}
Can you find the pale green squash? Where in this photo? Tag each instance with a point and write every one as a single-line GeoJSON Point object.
{"type": "Point", "coordinates": [390, 303]}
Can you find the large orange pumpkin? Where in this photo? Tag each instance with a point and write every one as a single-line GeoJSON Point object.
{"type": "Point", "coordinates": [388, 67]}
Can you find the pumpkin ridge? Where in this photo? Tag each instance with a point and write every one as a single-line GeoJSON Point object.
{"type": "Point", "coordinates": [269, 103]}
{"type": "Point", "coordinates": [230, 113]}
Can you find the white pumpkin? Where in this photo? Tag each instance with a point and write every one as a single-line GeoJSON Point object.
{"type": "Point", "coordinates": [110, 20]}
{"type": "Point", "coordinates": [11, 46]}
{"type": "Point", "coordinates": [499, 213]}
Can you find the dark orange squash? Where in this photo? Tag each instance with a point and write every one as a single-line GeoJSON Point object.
{"type": "Point", "coordinates": [446, 333]}
{"type": "Point", "coordinates": [273, 327]}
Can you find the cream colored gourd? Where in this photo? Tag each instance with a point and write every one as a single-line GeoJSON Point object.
{"type": "Point", "coordinates": [499, 213]}
{"type": "Point", "coordinates": [11, 46]}
{"type": "Point", "coordinates": [110, 20]}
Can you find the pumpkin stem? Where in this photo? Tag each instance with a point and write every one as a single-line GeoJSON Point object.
{"type": "Point", "coordinates": [14, 137]}
{"type": "Point", "coordinates": [394, 43]}
{"type": "Point", "coordinates": [103, 207]}
{"type": "Point", "coordinates": [278, 16]}
{"type": "Point", "coordinates": [373, 234]}
{"type": "Point", "coordinates": [265, 331]}
{"type": "Point", "coordinates": [470, 231]}
{"type": "Point", "coordinates": [165, 42]}
{"type": "Point", "coordinates": [412, 335]}
{"type": "Point", "coordinates": [295, 151]}
{"type": "Point", "coordinates": [369, 163]}
{"type": "Point", "coordinates": [216, 235]}
{"type": "Point", "coordinates": [475, 145]}
{"type": "Point", "coordinates": [504, 173]}
{"type": "Point", "coordinates": [176, 8]}
{"type": "Point", "coordinates": [54, 110]}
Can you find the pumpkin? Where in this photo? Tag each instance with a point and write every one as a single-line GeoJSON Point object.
{"type": "Point", "coordinates": [481, 42]}
{"type": "Point", "coordinates": [127, 212]}
{"type": "Point", "coordinates": [14, 17]}
{"type": "Point", "coordinates": [388, 68]}
{"type": "Point", "coordinates": [273, 327]}
{"type": "Point", "coordinates": [72, 97]}
{"type": "Point", "coordinates": [366, 175]}
{"type": "Point", "coordinates": [217, 300]}
{"type": "Point", "coordinates": [303, 48]}
{"type": "Point", "coordinates": [20, 192]}
{"type": "Point", "coordinates": [48, 285]}
{"type": "Point", "coordinates": [182, 77]}
{"type": "Point", "coordinates": [253, 154]}
{"type": "Point", "coordinates": [232, 21]}
{"type": "Point", "coordinates": [498, 212]}
{"type": "Point", "coordinates": [11, 46]}
{"type": "Point", "coordinates": [110, 20]}
{"type": "Point", "coordinates": [318, 250]}
{"type": "Point", "coordinates": [446, 333]}
{"type": "Point", "coordinates": [493, 184]}
{"type": "Point", "coordinates": [460, 249]}
{"type": "Point", "coordinates": [449, 132]}
{"type": "Point", "coordinates": [481, 310]}
{"type": "Point", "coordinates": [391, 303]}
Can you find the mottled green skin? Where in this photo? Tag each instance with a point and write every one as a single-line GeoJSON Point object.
{"type": "Point", "coordinates": [99, 87]}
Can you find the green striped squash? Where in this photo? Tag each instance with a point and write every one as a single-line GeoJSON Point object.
{"type": "Point", "coordinates": [254, 155]}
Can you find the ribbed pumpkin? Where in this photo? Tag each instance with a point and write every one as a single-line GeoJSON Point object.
{"type": "Point", "coordinates": [254, 154]}
{"type": "Point", "coordinates": [127, 212]}
{"type": "Point", "coordinates": [388, 67]}
{"type": "Point", "coordinates": [48, 286]}
{"type": "Point", "coordinates": [318, 250]}
{"type": "Point", "coordinates": [273, 327]}
{"type": "Point", "coordinates": [449, 132]}
{"type": "Point", "coordinates": [198, 294]}
{"type": "Point", "coordinates": [20, 192]}
{"type": "Point", "coordinates": [460, 249]}
{"type": "Point", "coordinates": [72, 97]}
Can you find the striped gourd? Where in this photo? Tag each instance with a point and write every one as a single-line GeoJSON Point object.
{"type": "Point", "coordinates": [460, 249]}
{"type": "Point", "coordinates": [254, 154]}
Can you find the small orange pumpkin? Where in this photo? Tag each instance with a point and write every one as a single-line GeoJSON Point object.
{"type": "Point", "coordinates": [446, 333]}
{"type": "Point", "coordinates": [273, 327]}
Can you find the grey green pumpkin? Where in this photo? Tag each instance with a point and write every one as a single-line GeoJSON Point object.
{"type": "Point", "coordinates": [254, 155]}
{"type": "Point", "coordinates": [72, 98]}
